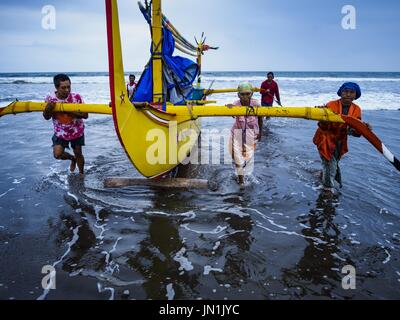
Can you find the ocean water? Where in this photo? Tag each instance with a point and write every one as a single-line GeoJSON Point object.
{"type": "Point", "coordinates": [381, 90]}
{"type": "Point", "coordinates": [280, 238]}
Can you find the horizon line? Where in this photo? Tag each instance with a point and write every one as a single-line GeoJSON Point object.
{"type": "Point", "coordinates": [243, 71]}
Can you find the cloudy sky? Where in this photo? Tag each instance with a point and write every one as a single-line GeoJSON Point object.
{"type": "Point", "coordinates": [254, 35]}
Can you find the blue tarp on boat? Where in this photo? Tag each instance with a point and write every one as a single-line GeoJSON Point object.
{"type": "Point", "coordinates": [179, 75]}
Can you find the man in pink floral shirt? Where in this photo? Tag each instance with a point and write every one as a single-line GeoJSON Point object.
{"type": "Point", "coordinates": [69, 128]}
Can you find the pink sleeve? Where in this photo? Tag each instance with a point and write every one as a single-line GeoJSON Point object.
{"type": "Point", "coordinates": [79, 99]}
{"type": "Point", "coordinates": [49, 99]}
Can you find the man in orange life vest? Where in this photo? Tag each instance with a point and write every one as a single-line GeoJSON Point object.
{"type": "Point", "coordinates": [331, 138]}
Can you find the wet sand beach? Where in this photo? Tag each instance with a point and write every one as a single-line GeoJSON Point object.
{"type": "Point", "coordinates": [280, 238]}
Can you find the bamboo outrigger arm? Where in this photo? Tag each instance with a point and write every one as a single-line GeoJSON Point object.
{"type": "Point", "coordinates": [215, 91]}
{"type": "Point", "coordinates": [311, 113]}
{"type": "Point", "coordinates": [184, 113]}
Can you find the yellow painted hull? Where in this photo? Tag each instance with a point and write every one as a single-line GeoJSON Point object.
{"type": "Point", "coordinates": [141, 131]}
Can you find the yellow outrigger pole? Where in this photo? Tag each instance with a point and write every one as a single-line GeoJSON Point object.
{"type": "Point", "coordinates": [156, 28]}
{"type": "Point", "coordinates": [215, 91]}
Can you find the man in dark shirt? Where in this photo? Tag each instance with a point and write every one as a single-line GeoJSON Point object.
{"type": "Point", "coordinates": [269, 90]}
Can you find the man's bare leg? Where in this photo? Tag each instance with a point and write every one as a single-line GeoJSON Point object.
{"type": "Point", "coordinates": [80, 159]}
{"type": "Point", "coordinates": [60, 154]}
{"type": "Point", "coordinates": [72, 166]}
{"type": "Point", "coordinates": [240, 177]}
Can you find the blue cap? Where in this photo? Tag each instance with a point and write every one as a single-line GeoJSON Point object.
{"type": "Point", "coordinates": [350, 86]}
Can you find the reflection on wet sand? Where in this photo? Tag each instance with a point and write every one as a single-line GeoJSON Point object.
{"type": "Point", "coordinates": [318, 271]}
{"type": "Point", "coordinates": [191, 244]}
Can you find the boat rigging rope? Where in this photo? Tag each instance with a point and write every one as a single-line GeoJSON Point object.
{"type": "Point", "coordinates": [192, 116]}
{"type": "Point", "coordinates": [189, 106]}
{"type": "Point", "coordinates": [208, 92]}
{"type": "Point", "coordinates": [177, 46]}
{"type": "Point", "coordinates": [178, 41]}
{"type": "Point", "coordinates": [146, 11]}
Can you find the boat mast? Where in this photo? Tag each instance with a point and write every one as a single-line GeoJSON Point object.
{"type": "Point", "coordinates": [199, 61]}
{"type": "Point", "coordinates": [156, 27]}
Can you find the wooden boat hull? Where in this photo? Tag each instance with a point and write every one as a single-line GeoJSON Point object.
{"type": "Point", "coordinates": [154, 141]}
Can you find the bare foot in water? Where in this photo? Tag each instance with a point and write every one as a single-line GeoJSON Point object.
{"type": "Point", "coordinates": [72, 167]}
{"type": "Point", "coordinates": [241, 182]}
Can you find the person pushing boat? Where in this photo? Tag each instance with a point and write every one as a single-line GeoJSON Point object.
{"type": "Point", "coordinates": [269, 90]}
{"type": "Point", "coordinates": [331, 138]}
{"type": "Point", "coordinates": [69, 127]}
{"type": "Point", "coordinates": [245, 133]}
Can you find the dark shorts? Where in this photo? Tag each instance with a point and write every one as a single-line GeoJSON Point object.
{"type": "Point", "coordinates": [266, 104]}
{"type": "Point", "coordinates": [74, 143]}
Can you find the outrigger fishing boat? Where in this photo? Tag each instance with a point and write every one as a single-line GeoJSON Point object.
{"type": "Point", "coordinates": [167, 104]}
